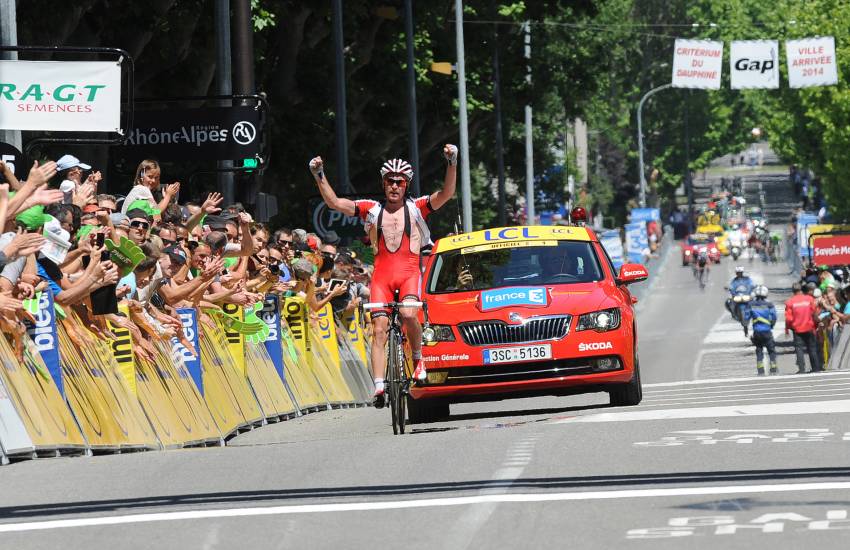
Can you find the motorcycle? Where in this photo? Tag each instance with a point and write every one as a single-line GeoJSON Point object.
{"type": "Point", "coordinates": [735, 251]}
{"type": "Point", "coordinates": [737, 305]}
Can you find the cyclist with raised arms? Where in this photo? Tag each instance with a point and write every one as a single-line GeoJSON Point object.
{"type": "Point", "coordinates": [398, 231]}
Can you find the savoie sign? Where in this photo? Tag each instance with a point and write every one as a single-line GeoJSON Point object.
{"type": "Point", "coordinates": [64, 96]}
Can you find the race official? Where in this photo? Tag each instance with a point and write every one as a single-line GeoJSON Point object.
{"type": "Point", "coordinates": [762, 314]}
{"type": "Point", "coordinates": [800, 311]}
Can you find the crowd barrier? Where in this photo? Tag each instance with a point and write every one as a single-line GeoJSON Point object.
{"type": "Point", "coordinates": [70, 386]}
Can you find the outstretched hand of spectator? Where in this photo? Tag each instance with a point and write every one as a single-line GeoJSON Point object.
{"type": "Point", "coordinates": [172, 190]}
{"type": "Point", "coordinates": [211, 205]}
{"type": "Point", "coordinates": [84, 194]}
{"type": "Point", "coordinates": [40, 174]}
{"type": "Point", "coordinates": [46, 197]}
{"type": "Point", "coordinates": [9, 305]}
{"type": "Point", "coordinates": [24, 244]}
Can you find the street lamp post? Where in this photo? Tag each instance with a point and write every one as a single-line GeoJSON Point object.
{"type": "Point", "coordinates": [465, 186]}
{"type": "Point", "coordinates": [640, 141]}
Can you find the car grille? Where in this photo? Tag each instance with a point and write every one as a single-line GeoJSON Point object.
{"type": "Point", "coordinates": [517, 372]}
{"type": "Point", "coordinates": [488, 333]}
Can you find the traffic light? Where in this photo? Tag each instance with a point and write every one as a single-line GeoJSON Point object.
{"type": "Point", "coordinates": [250, 163]}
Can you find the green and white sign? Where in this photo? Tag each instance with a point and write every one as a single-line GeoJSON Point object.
{"type": "Point", "coordinates": [63, 96]}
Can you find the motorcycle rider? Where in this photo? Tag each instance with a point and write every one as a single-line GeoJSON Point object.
{"type": "Point", "coordinates": [762, 313]}
{"type": "Point", "coordinates": [741, 285]}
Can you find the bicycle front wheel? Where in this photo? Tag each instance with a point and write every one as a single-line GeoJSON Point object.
{"type": "Point", "coordinates": [394, 383]}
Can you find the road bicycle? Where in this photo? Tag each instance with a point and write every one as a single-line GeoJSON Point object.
{"type": "Point", "coordinates": [396, 379]}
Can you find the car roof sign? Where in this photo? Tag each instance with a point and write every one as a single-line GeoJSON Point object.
{"type": "Point", "coordinates": [507, 234]}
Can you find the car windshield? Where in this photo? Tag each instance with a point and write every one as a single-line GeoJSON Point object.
{"type": "Point", "coordinates": [481, 267]}
{"type": "Point", "coordinates": [698, 239]}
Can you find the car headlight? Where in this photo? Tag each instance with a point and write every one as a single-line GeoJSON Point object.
{"type": "Point", "coordinates": [687, 252]}
{"type": "Point", "coordinates": [437, 333]}
{"type": "Point", "coordinates": [600, 321]}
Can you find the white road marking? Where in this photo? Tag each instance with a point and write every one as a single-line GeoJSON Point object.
{"type": "Point", "coordinates": [771, 382]}
{"type": "Point", "coordinates": [739, 379]}
{"type": "Point", "coordinates": [763, 409]}
{"type": "Point", "coordinates": [711, 431]}
{"type": "Point", "coordinates": [660, 394]}
{"type": "Point", "coordinates": [744, 395]}
{"type": "Point", "coordinates": [424, 503]}
{"type": "Point", "coordinates": [739, 400]}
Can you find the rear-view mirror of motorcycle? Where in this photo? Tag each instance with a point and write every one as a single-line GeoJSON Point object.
{"type": "Point", "coordinates": [632, 273]}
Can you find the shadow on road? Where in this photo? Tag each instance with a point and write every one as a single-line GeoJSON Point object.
{"type": "Point", "coordinates": [418, 490]}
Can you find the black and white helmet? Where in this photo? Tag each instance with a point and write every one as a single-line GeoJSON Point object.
{"type": "Point", "coordinates": [397, 167]}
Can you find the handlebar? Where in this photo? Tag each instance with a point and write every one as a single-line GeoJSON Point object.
{"type": "Point", "coordinates": [391, 305]}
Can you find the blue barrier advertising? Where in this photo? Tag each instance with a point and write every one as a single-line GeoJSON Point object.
{"type": "Point", "coordinates": [270, 315]}
{"type": "Point", "coordinates": [43, 334]}
{"type": "Point", "coordinates": [803, 222]}
{"type": "Point", "coordinates": [636, 241]}
{"type": "Point", "coordinates": [610, 241]}
{"type": "Point", "coordinates": [645, 214]}
{"type": "Point", "coordinates": [189, 319]}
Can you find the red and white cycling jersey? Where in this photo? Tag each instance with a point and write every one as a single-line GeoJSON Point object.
{"type": "Point", "coordinates": [398, 238]}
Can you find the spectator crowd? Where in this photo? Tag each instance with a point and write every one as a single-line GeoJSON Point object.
{"type": "Point", "coordinates": [153, 254]}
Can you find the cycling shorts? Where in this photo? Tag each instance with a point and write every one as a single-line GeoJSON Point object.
{"type": "Point", "coordinates": [388, 277]}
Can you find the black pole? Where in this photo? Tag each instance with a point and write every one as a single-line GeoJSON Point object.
{"type": "Point", "coordinates": [497, 107]}
{"type": "Point", "coordinates": [689, 185]}
{"type": "Point", "coordinates": [343, 184]}
{"type": "Point", "coordinates": [224, 86]}
{"type": "Point", "coordinates": [243, 47]}
{"type": "Point", "coordinates": [412, 123]}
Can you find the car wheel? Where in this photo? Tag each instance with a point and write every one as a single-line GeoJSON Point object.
{"type": "Point", "coordinates": [630, 393]}
{"type": "Point", "coordinates": [423, 411]}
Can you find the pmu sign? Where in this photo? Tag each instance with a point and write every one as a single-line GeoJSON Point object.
{"type": "Point", "coordinates": [754, 64]}
{"type": "Point", "coordinates": [831, 250]}
{"type": "Point", "coordinates": [209, 133]}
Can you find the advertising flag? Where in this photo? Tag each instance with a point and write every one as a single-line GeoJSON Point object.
{"type": "Point", "coordinates": [637, 241]}
{"type": "Point", "coordinates": [811, 62]}
{"type": "Point", "coordinates": [610, 241]}
{"type": "Point", "coordinates": [697, 64]}
{"type": "Point", "coordinates": [62, 96]}
{"type": "Point", "coordinates": [754, 64]}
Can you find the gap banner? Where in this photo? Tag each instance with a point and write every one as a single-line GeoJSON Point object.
{"type": "Point", "coordinates": [754, 64]}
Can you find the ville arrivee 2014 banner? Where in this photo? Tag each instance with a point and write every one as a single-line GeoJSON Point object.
{"type": "Point", "coordinates": [697, 64]}
{"type": "Point", "coordinates": [811, 62]}
{"type": "Point", "coordinates": [65, 96]}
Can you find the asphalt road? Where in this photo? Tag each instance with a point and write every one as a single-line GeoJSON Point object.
{"type": "Point", "coordinates": [713, 457]}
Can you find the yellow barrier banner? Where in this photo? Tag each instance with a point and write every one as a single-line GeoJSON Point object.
{"type": "Point", "coordinates": [355, 334]}
{"type": "Point", "coordinates": [172, 402]}
{"type": "Point", "coordinates": [305, 387]}
{"type": "Point", "coordinates": [235, 341]}
{"type": "Point", "coordinates": [295, 314]}
{"type": "Point", "coordinates": [267, 385]}
{"type": "Point", "coordinates": [327, 371]}
{"type": "Point", "coordinates": [228, 391]}
{"type": "Point", "coordinates": [326, 325]}
{"type": "Point", "coordinates": [33, 415]}
{"type": "Point", "coordinates": [359, 375]}
{"type": "Point", "coordinates": [122, 351]}
{"type": "Point", "coordinates": [108, 413]}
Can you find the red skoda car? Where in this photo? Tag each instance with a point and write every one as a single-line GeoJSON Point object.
{"type": "Point", "coordinates": [524, 311]}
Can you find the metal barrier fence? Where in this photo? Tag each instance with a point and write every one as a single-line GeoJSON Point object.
{"type": "Point", "coordinates": [69, 389]}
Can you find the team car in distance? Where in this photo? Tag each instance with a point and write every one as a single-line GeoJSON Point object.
{"type": "Point", "coordinates": [524, 311]}
{"type": "Point", "coordinates": [694, 244]}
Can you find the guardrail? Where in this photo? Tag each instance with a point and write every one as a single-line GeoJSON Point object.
{"type": "Point", "coordinates": [74, 391]}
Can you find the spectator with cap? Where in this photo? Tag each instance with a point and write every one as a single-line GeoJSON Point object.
{"type": "Point", "coordinates": [71, 171]}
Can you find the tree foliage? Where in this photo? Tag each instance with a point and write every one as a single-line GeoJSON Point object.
{"type": "Point", "coordinates": [590, 58]}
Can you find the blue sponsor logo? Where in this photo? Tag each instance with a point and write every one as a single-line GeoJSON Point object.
{"type": "Point", "coordinates": [514, 296]}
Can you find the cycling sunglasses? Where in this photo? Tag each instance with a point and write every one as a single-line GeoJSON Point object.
{"type": "Point", "coordinates": [398, 182]}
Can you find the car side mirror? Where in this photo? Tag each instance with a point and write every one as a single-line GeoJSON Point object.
{"type": "Point", "coordinates": [632, 273]}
